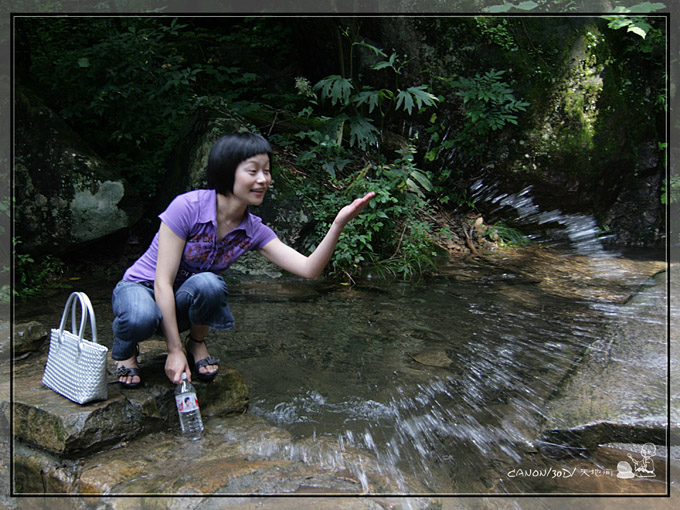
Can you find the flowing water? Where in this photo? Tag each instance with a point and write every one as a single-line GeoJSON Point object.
{"type": "Point", "coordinates": [445, 379]}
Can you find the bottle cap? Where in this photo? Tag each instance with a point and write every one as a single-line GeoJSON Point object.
{"type": "Point", "coordinates": [184, 376]}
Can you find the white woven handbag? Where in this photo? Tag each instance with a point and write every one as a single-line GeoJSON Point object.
{"type": "Point", "coordinates": [76, 367]}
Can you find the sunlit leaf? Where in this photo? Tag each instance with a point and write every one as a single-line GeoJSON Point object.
{"type": "Point", "coordinates": [646, 7]}
{"type": "Point", "coordinates": [499, 8]}
{"type": "Point", "coordinates": [527, 6]}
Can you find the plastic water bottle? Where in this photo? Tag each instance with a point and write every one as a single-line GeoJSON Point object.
{"type": "Point", "coordinates": [187, 407]}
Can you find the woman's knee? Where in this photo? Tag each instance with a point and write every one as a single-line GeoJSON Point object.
{"type": "Point", "coordinates": [136, 314]}
{"type": "Point", "coordinates": [135, 323]}
{"type": "Point", "coordinates": [208, 286]}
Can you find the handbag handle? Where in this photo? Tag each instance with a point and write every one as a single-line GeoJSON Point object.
{"type": "Point", "coordinates": [86, 310]}
{"type": "Point", "coordinates": [90, 311]}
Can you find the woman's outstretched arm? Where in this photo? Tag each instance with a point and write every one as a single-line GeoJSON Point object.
{"type": "Point", "coordinates": [311, 266]}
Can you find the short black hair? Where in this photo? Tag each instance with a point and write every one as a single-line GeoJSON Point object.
{"type": "Point", "coordinates": [227, 153]}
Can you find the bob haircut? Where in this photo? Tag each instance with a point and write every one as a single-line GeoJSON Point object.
{"type": "Point", "coordinates": [227, 153]}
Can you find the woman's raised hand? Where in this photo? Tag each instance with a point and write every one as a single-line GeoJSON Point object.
{"type": "Point", "coordinates": [352, 210]}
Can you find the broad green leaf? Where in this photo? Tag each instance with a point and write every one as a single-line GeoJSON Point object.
{"type": "Point", "coordinates": [335, 87]}
{"type": "Point", "coordinates": [362, 132]}
{"type": "Point", "coordinates": [422, 96]}
{"type": "Point", "coordinates": [646, 7]}
{"type": "Point", "coordinates": [404, 97]}
{"type": "Point", "coordinates": [414, 187]}
{"type": "Point", "coordinates": [385, 63]}
{"type": "Point", "coordinates": [640, 27]}
{"type": "Point", "coordinates": [617, 22]}
{"type": "Point", "coordinates": [638, 30]}
{"type": "Point", "coordinates": [371, 97]}
{"type": "Point", "coordinates": [422, 179]}
{"type": "Point", "coordinates": [330, 168]}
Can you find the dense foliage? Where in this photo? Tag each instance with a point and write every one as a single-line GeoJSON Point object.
{"type": "Point", "coordinates": [413, 117]}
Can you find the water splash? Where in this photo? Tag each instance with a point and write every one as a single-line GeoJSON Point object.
{"type": "Point", "coordinates": [585, 236]}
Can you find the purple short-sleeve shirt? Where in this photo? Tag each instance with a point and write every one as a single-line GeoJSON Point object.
{"type": "Point", "coordinates": [193, 217]}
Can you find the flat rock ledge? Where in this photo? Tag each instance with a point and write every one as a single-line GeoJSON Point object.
{"type": "Point", "coordinates": [618, 393]}
{"type": "Point", "coordinates": [46, 420]}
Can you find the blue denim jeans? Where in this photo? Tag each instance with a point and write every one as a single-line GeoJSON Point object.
{"type": "Point", "coordinates": [200, 300]}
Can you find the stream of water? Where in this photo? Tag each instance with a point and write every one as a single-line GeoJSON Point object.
{"type": "Point", "coordinates": [445, 379]}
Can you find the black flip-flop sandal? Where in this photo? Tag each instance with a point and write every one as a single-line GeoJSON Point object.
{"type": "Point", "coordinates": [122, 371]}
{"type": "Point", "coordinates": [128, 372]}
{"type": "Point", "coordinates": [210, 360]}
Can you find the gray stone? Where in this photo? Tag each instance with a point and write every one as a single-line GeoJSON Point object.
{"type": "Point", "coordinates": [618, 391]}
{"type": "Point", "coordinates": [433, 358]}
{"type": "Point", "coordinates": [46, 420]}
{"type": "Point", "coordinates": [95, 215]}
{"type": "Point", "coordinates": [28, 337]}
{"type": "Point", "coordinates": [240, 455]}
{"type": "Point", "coordinates": [66, 195]}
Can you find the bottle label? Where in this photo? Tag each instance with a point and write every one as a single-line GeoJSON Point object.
{"type": "Point", "coordinates": [186, 402]}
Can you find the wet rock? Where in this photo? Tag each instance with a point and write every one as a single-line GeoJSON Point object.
{"type": "Point", "coordinates": [239, 455]}
{"type": "Point", "coordinates": [275, 292]}
{"type": "Point", "coordinates": [5, 340]}
{"type": "Point", "coordinates": [49, 421]}
{"type": "Point", "coordinates": [637, 213]}
{"type": "Point", "coordinates": [38, 472]}
{"type": "Point", "coordinates": [603, 278]}
{"type": "Point", "coordinates": [433, 358]}
{"type": "Point", "coordinates": [29, 337]}
{"type": "Point", "coordinates": [618, 391]}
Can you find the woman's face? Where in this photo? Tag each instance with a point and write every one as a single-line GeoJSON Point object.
{"type": "Point", "coordinates": [252, 179]}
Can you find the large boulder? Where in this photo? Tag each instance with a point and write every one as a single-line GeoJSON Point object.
{"type": "Point", "coordinates": [66, 195]}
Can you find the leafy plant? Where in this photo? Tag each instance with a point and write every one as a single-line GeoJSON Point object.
{"type": "Point", "coordinates": [670, 190]}
{"type": "Point", "coordinates": [390, 234]}
{"type": "Point", "coordinates": [505, 235]}
{"type": "Point", "coordinates": [527, 5]}
{"type": "Point", "coordinates": [489, 105]}
{"type": "Point", "coordinates": [496, 30]}
{"type": "Point", "coordinates": [489, 102]}
{"type": "Point", "coordinates": [350, 98]}
{"type": "Point", "coordinates": [33, 276]}
{"type": "Point", "coordinates": [129, 85]}
{"type": "Point", "coordinates": [638, 25]}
